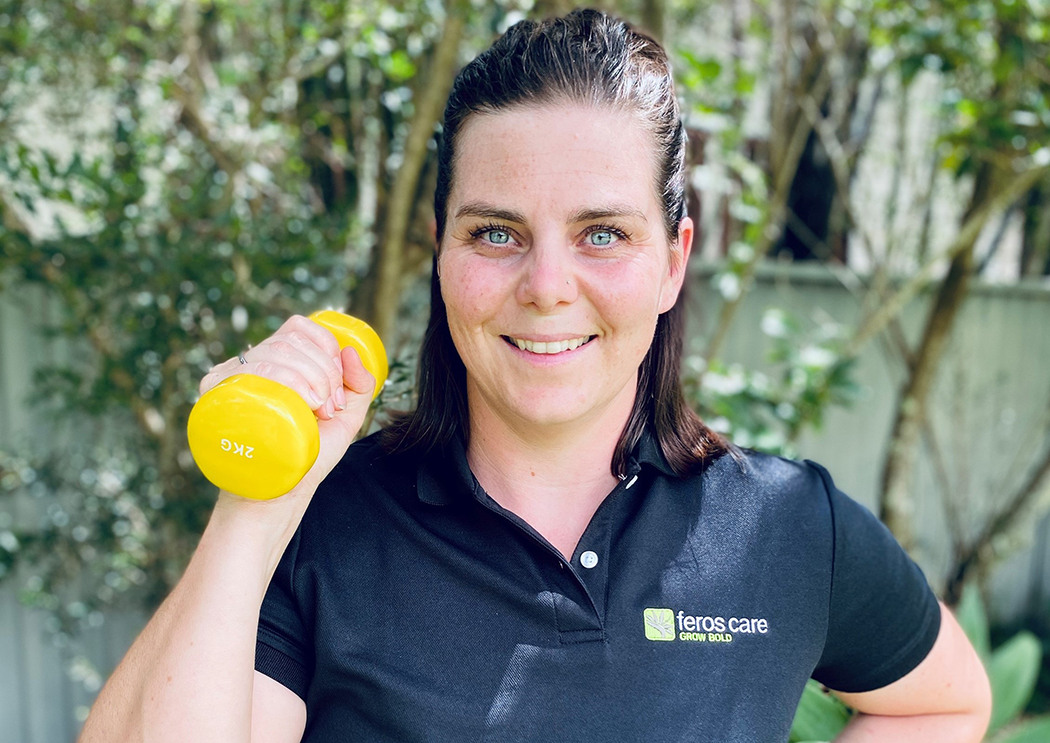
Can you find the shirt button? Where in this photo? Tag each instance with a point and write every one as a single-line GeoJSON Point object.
{"type": "Point", "coordinates": [589, 559]}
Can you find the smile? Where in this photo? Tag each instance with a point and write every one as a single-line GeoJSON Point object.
{"type": "Point", "coordinates": [549, 347]}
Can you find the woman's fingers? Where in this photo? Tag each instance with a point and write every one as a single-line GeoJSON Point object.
{"type": "Point", "coordinates": [337, 434]}
{"type": "Point", "coordinates": [301, 355]}
{"type": "Point", "coordinates": [322, 337]}
{"type": "Point", "coordinates": [323, 373]}
{"type": "Point", "coordinates": [220, 372]}
{"type": "Point", "coordinates": [287, 374]}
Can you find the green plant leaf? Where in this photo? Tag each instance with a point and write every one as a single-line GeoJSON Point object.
{"type": "Point", "coordinates": [972, 618]}
{"type": "Point", "coordinates": [1031, 731]}
{"type": "Point", "coordinates": [1012, 671]}
{"type": "Point", "coordinates": [398, 66]}
{"type": "Point", "coordinates": [819, 716]}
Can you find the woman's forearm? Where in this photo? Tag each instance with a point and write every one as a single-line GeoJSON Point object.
{"type": "Point", "coordinates": [190, 673]}
{"type": "Point", "coordinates": [943, 728]}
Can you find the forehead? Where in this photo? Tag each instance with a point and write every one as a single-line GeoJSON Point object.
{"type": "Point", "coordinates": [555, 156]}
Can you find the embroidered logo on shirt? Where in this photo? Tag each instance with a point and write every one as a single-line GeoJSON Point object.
{"type": "Point", "coordinates": [659, 624]}
{"type": "Point", "coordinates": [665, 625]}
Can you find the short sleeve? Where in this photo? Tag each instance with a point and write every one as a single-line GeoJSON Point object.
{"type": "Point", "coordinates": [883, 617]}
{"type": "Point", "coordinates": [281, 648]}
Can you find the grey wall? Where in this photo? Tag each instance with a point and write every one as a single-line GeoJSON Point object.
{"type": "Point", "coordinates": [39, 700]}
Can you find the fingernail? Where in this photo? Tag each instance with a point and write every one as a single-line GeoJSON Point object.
{"type": "Point", "coordinates": [315, 401]}
{"type": "Point", "coordinates": [329, 408]}
{"type": "Point", "coordinates": [340, 398]}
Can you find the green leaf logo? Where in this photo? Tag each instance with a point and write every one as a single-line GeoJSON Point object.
{"type": "Point", "coordinates": [659, 624]}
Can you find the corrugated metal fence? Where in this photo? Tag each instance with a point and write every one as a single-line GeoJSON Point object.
{"type": "Point", "coordinates": [993, 392]}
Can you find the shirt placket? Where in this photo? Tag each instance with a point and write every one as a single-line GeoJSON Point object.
{"type": "Point", "coordinates": [592, 557]}
{"type": "Point", "coordinates": [580, 613]}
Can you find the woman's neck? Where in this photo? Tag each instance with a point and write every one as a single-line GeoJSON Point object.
{"type": "Point", "coordinates": [554, 477]}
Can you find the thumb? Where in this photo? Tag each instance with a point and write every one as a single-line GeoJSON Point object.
{"type": "Point", "coordinates": [356, 378]}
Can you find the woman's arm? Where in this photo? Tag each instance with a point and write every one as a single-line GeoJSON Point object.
{"type": "Point", "coordinates": [945, 698]}
{"type": "Point", "coordinates": [190, 674]}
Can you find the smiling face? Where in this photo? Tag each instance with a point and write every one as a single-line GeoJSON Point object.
{"type": "Point", "coordinates": [554, 265]}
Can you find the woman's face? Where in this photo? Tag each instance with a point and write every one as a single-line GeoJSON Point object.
{"type": "Point", "coordinates": [554, 265]}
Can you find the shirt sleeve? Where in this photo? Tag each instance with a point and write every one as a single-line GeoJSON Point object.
{"type": "Point", "coordinates": [883, 617]}
{"type": "Point", "coordinates": [281, 648]}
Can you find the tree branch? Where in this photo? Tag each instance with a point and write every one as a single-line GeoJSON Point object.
{"type": "Point", "coordinates": [892, 306]}
{"type": "Point", "coordinates": [1033, 492]}
{"type": "Point", "coordinates": [772, 224]}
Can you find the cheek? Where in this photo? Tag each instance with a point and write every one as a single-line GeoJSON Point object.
{"type": "Point", "coordinates": [471, 293]}
{"type": "Point", "coordinates": [627, 295]}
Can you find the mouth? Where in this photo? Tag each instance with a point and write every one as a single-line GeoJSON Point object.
{"type": "Point", "coordinates": [549, 347]}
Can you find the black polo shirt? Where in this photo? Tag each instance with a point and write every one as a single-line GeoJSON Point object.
{"type": "Point", "coordinates": [410, 606]}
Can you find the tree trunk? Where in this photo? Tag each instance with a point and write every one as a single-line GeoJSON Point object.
{"type": "Point", "coordinates": [1035, 251]}
{"type": "Point", "coordinates": [896, 503]}
{"type": "Point", "coordinates": [653, 18]}
{"type": "Point", "coordinates": [428, 108]}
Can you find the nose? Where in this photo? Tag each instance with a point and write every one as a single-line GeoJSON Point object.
{"type": "Point", "coordinates": [549, 276]}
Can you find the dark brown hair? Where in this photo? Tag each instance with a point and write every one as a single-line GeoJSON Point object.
{"type": "Point", "coordinates": [584, 57]}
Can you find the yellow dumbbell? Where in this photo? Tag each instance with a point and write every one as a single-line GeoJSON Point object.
{"type": "Point", "coordinates": [257, 438]}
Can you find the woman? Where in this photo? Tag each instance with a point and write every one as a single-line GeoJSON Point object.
{"type": "Point", "coordinates": [552, 546]}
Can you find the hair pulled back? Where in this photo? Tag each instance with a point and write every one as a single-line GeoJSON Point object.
{"type": "Point", "coordinates": [585, 57]}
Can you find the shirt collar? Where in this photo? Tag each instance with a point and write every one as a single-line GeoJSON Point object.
{"type": "Point", "coordinates": [444, 475]}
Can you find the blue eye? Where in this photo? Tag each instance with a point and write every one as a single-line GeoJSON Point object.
{"type": "Point", "coordinates": [492, 228]}
{"type": "Point", "coordinates": [604, 230]}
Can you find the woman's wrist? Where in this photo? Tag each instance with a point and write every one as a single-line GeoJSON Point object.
{"type": "Point", "coordinates": [256, 530]}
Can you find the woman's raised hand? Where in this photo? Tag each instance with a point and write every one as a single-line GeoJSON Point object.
{"type": "Point", "coordinates": [305, 357]}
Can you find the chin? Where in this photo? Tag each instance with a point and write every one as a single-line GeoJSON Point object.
{"type": "Point", "coordinates": [552, 411]}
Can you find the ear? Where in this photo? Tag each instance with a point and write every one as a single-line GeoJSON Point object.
{"type": "Point", "coordinates": [677, 264]}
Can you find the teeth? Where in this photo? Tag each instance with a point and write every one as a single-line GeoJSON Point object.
{"type": "Point", "coordinates": [550, 346]}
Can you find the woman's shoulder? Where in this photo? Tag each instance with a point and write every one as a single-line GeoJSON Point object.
{"type": "Point", "coordinates": [760, 467]}
{"type": "Point", "coordinates": [764, 477]}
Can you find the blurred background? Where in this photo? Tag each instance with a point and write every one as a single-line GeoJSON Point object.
{"type": "Point", "coordinates": [869, 288]}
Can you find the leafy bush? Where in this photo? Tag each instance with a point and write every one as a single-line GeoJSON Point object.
{"type": "Point", "coordinates": [767, 410]}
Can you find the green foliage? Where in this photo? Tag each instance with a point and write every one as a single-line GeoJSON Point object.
{"type": "Point", "coordinates": [1012, 671]}
{"type": "Point", "coordinates": [973, 620]}
{"type": "Point", "coordinates": [154, 292]}
{"type": "Point", "coordinates": [993, 58]}
{"type": "Point", "coordinates": [1029, 731]}
{"type": "Point", "coordinates": [819, 717]}
{"type": "Point", "coordinates": [767, 411]}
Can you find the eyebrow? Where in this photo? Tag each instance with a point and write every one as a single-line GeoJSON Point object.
{"type": "Point", "coordinates": [490, 211]}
